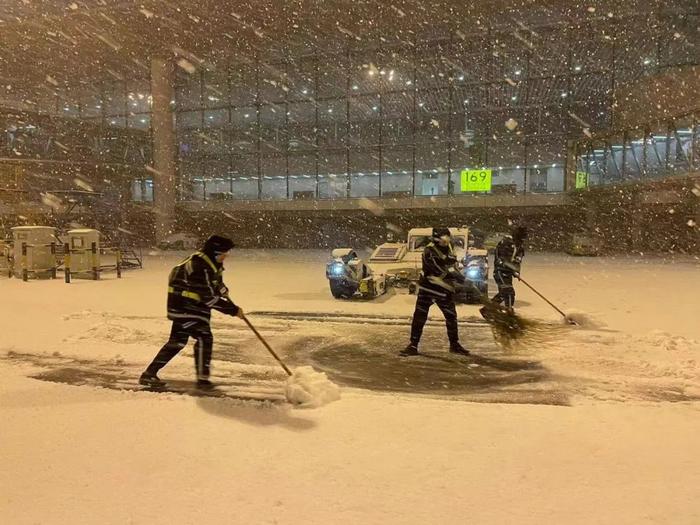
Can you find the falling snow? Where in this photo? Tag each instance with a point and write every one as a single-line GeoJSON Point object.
{"type": "Point", "coordinates": [298, 128]}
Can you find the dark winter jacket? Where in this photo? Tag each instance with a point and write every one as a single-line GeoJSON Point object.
{"type": "Point", "coordinates": [508, 256]}
{"type": "Point", "coordinates": [195, 286]}
{"type": "Point", "coordinates": [440, 274]}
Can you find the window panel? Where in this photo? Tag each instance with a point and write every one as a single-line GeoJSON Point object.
{"type": "Point", "coordinates": [244, 172]}
{"type": "Point", "coordinates": [188, 95]}
{"type": "Point", "coordinates": [91, 103]}
{"type": "Point", "coordinates": [397, 117]}
{"type": "Point", "coordinates": [215, 118]}
{"type": "Point", "coordinates": [332, 173]}
{"type": "Point", "coordinates": [273, 132]}
{"type": "Point", "coordinates": [191, 180]}
{"type": "Point", "coordinates": [273, 83]}
{"type": "Point", "coordinates": [432, 70]}
{"type": "Point", "coordinates": [302, 176]}
{"type": "Point", "coordinates": [215, 90]}
{"type": "Point", "coordinates": [243, 129]}
{"type": "Point", "coordinates": [300, 128]}
{"type": "Point", "coordinates": [397, 171]}
{"type": "Point", "coordinates": [301, 79]}
{"type": "Point", "coordinates": [364, 172]}
{"type": "Point", "coordinates": [364, 120]}
{"type": "Point", "coordinates": [139, 96]}
{"type": "Point", "coordinates": [115, 98]}
{"type": "Point", "coordinates": [432, 115]}
{"type": "Point", "coordinates": [332, 123]}
{"type": "Point", "coordinates": [274, 181]}
{"type": "Point", "coordinates": [142, 121]}
{"type": "Point", "coordinates": [243, 85]}
{"type": "Point", "coordinates": [431, 169]}
{"type": "Point", "coordinates": [332, 76]}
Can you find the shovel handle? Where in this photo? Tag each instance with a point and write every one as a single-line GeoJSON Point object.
{"type": "Point", "coordinates": [570, 321]}
{"type": "Point", "coordinates": [269, 348]}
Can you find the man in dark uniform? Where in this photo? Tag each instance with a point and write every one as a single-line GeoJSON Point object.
{"type": "Point", "coordinates": [195, 286]}
{"type": "Point", "coordinates": [438, 282]}
{"type": "Point", "coordinates": [507, 259]}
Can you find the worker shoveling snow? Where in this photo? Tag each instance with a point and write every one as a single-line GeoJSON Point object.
{"type": "Point", "coordinates": [311, 389]}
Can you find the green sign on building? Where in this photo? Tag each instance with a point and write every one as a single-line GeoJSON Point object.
{"type": "Point", "coordinates": [581, 180]}
{"type": "Point", "coordinates": [476, 180]}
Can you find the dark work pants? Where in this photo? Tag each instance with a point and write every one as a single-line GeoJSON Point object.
{"type": "Point", "coordinates": [179, 335]}
{"type": "Point", "coordinates": [446, 304]}
{"type": "Point", "coordinates": [506, 291]}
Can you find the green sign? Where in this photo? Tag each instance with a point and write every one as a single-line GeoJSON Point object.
{"type": "Point", "coordinates": [476, 180]}
{"type": "Point", "coordinates": [581, 180]}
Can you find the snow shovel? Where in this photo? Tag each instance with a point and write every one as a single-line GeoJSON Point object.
{"type": "Point", "coordinates": [269, 348]}
{"type": "Point", "coordinates": [566, 318]}
{"type": "Point", "coordinates": [505, 324]}
{"type": "Point", "coordinates": [306, 387]}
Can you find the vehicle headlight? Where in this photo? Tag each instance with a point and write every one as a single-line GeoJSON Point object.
{"type": "Point", "coordinates": [473, 272]}
{"type": "Point", "coordinates": [337, 268]}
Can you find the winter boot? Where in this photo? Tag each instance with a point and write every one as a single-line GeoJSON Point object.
{"type": "Point", "coordinates": [411, 349]}
{"type": "Point", "coordinates": [457, 348]}
{"type": "Point", "coordinates": [151, 380]}
{"type": "Point", "coordinates": [205, 384]}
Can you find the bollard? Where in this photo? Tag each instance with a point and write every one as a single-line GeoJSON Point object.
{"type": "Point", "coordinates": [25, 273]}
{"type": "Point", "coordinates": [119, 264]}
{"type": "Point", "coordinates": [53, 253]}
{"type": "Point", "coordinates": [66, 261]}
{"type": "Point", "coordinates": [95, 270]}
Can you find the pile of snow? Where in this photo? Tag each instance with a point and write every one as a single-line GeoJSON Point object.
{"type": "Point", "coordinates": [670, 343]}
{"type": "Point", "coordinates": [583, 319]}
{"type": "Point", "coordinates": [308, 388]}
{"type": "Point", "coordinates": [117, 333]}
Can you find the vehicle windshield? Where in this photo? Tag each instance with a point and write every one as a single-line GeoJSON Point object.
{"type": "Point", "coordinates": [418, 242]}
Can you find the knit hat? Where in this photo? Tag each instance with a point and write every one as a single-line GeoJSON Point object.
{"type": "Point", "coordinates": [217, 244]}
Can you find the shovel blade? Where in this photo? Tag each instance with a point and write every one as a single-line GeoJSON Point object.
{"type": "Point", "coordinates": [506, 323]}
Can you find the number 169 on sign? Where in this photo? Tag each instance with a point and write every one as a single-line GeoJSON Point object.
{"type": "Point", "coordinates": [476, 180]}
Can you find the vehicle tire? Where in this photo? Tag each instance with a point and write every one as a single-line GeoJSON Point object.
{"type": "Point", "coordinates": [475, 297]}
{"type": "Point", "coordinates": [341, 290]}
{"type": "Point", "coordinates": [462, 298]}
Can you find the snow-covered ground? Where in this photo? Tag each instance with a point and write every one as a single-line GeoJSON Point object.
{"type": "Point", "coordinates": [595, 424]}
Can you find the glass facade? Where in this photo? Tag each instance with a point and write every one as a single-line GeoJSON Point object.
{"type": "Point", "coordinates": [655, 152]}
{"type": "Point", "coordinates": [391, 119]}
{"type": "Point", "coordinates": [93, 138]}
{"type": "Point", "coordinates": [404, 120]}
